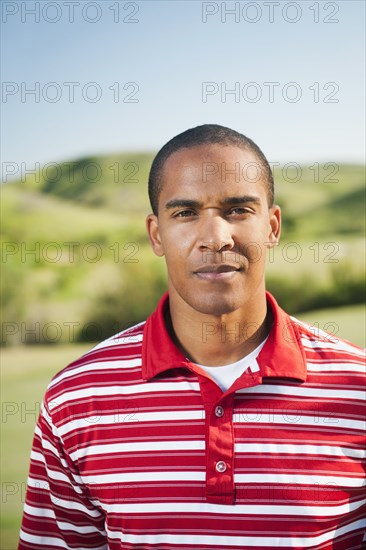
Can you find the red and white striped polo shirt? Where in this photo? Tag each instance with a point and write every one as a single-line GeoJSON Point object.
{"type": "Point", "coordinates": [137, 448]}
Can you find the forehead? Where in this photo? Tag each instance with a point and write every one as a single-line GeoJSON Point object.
{"type": "Point", "coordinates": [212, 170]}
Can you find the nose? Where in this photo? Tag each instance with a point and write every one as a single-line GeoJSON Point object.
{"type": "Point", "coordinates": [215, 234]}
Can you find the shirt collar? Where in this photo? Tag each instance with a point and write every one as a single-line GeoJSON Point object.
{"type": "Point", "coordinates": [281, 356]}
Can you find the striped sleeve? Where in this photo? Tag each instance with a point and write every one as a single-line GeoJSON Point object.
{"type": "Point", "coordinates": [58, 512]}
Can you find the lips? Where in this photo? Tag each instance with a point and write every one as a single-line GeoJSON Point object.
{"type": "Point", "coordinates": [217, 268]}
{"type": "Point", "coordinates": [217, 272]}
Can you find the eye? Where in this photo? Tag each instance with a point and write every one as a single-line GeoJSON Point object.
{"type": "Point", "coordinates": [184, 214]}
{"type": "Point", "coordinates": [239, 211]}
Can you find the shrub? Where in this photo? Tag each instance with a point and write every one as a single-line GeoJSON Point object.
{"type": "Point", "coordinates": [345, 287]}
{"type": "Point", "coordinates": [142, 285]}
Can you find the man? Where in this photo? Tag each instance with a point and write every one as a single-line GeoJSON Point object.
{"type": "Point", "coordinates": [220, 422]}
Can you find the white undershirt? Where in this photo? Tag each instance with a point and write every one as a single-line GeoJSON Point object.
{"type": "Point", "coordinates": [226, 375]}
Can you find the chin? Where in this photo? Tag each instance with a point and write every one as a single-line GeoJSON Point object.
{"type": "Point", "coordinates": [215, 304]}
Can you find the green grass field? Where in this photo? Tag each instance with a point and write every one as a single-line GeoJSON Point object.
{"type": "Point", "coordinates": [348, 323]}
{"type": "Point", "coordinates": [25, 373]}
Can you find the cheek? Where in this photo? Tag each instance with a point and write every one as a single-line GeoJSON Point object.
{"type": "Point", "coordinates": [253, 246]}
{"type": "Point", "coordinates": [254, 253]}
{"type": "Point", "coordinates": [177, 244]}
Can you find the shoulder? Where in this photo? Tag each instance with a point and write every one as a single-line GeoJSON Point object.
{"type": "Point", "coordinates": [327, 350]}
{"type": "Point", "coordinates": [105, 364]}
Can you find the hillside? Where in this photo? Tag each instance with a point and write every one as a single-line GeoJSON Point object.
{"type": "Point", "coordinates": [317, 200]}
{"type": "Point", "coordinates": [75, 249]}
{"type": "Point", "coordinates": [117, 182]}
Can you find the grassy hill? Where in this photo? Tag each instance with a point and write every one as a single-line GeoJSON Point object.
{"type": "Point", "coordinates": [329, 200]}
{"type": "Point", "coordinates": [117, 182]}
{"type": "Point", "coordinates": [75, 250]}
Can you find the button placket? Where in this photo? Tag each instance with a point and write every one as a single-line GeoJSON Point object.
{"type": "Point", "coordinates": [219, 476]}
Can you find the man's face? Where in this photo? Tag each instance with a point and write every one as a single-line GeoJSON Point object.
{"type": "Point", "coordinates": [214, 227]}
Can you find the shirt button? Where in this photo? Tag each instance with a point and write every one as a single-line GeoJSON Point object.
{"type": "Point", "coordinates": [220, 466]}
{"type": "Point", "coordinates": [219, 411]}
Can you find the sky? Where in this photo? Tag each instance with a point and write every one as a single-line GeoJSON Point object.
{"type": "Point", "coordinates": [112, 76]}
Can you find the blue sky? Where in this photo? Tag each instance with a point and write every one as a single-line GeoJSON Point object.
{"type": "Point", "coordinates": [182, 69]}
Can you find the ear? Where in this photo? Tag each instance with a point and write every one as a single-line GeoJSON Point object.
{"type": "Point", "coordinates": [152, 227]}
{"type": "Point", "coordinates": [274, 226]}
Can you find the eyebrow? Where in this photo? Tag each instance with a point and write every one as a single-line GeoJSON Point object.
{"type": "Point", "coordinates": [189, 203]}
{"type": "Point", "coordinates": [241, 200]}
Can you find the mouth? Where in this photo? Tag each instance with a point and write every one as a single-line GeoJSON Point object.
{"type": "Point", "coordinates": [217, 272]}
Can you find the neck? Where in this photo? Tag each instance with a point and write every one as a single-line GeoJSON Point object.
{"type": "Point", "coordinates": [218, 340]}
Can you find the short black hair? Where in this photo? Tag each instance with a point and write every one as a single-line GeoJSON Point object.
{"type": "Point", "coordinates": [204, 135]}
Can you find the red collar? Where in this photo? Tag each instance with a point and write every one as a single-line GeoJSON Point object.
{"type": "Point", "coordinates": [282, 355]}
